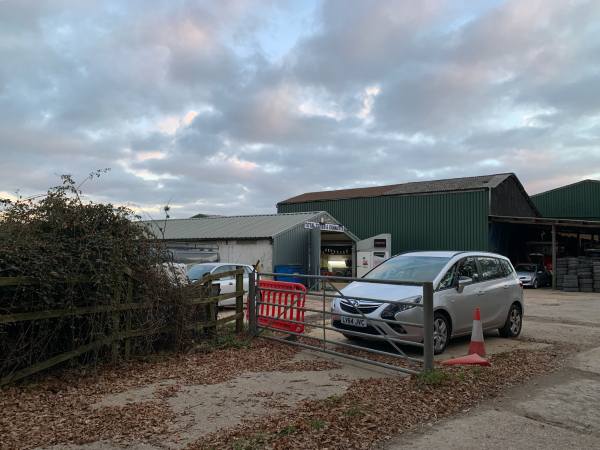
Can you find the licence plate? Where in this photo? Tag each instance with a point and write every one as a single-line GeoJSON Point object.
{"type": "Point", "coordinates": [354, 321]}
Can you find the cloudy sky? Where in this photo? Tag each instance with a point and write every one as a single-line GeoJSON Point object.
{"type": "Point", "coordinates": [227, 107]}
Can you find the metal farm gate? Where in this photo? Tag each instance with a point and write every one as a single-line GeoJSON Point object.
{"type": "Point", "coordinates": [287, 312]}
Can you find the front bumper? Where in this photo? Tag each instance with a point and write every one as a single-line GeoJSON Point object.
{"type": "Point", "coordinates": [527, 282]}
{"type": "Point", "coordinates": [374, 329]}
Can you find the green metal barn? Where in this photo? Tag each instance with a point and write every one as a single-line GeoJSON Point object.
{"type": "Point", "coordinates": [430, 215]}
{"type": "Point", "coordinates": [579, 200]}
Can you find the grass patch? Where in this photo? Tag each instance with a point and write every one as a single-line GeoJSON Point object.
{"type": "Point", "coordinates": [435, 377]}
{"type": "Point", "coordinates": [317, 424]}
{"type": "Point", "coordinates": [332, 400]}
{"type": "Point", "coordinates": [286, 431]}
{"type": "Point", "coordinates": [254, 442]}
{"type": "Point", "coordinates": [354, 411]}
{"type": "Point", "coordinates": [224, 340]}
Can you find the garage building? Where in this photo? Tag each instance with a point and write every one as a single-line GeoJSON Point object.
{"type": "Point", "coordinates": [491, 213]}
{"type": "Point", "coordinates": [305, 242]}
{"type": "Point", "coordinates": [430, 215]}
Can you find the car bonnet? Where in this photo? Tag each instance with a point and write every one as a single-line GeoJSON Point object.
{"type": "Point", "coordinates": [376, 291]}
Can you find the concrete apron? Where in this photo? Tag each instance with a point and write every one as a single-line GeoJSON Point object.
{"type": "Point", "coordinates": [559, 410]}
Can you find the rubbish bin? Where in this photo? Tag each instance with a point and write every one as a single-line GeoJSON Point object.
{"type": "Point", "coordinates": [289, 269]}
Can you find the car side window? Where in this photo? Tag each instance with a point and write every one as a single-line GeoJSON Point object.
{"type": "Point", "coordinates": [490, 268]}
{"type": "Point", "coordinates": [468, 268]}
{"type": "Point", "coordinates": [448, 280]}
{"type": "Point", "coordinates": [222, 269]}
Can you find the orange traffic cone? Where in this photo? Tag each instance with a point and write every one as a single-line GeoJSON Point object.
{"type": "Point", "coordinates": [476, 345]}
{"type": "Point", "coordinates": [469, 360]}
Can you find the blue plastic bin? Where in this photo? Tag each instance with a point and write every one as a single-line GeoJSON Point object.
{"type": "Point", "coordinates": [291, 269]}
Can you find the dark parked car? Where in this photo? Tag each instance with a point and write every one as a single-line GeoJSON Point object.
{"type": "Point", "coordinates": [533, 275]}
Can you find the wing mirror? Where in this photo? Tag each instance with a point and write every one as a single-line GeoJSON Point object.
{"type": "Point", "coordinates": [462, 282]}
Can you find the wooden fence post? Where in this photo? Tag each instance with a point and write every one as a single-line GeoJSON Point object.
{"type": "Point", "coordinates": [129, 313]}
{"type": "Point", "coordinates": [239, 301]}
{"type": "Point", "coordinates": [116, 319]}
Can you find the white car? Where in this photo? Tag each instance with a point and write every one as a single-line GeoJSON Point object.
{"type": "Point", "coordinates": [462, 281]}
{"type": "Point", "coordinates": [227, 285]}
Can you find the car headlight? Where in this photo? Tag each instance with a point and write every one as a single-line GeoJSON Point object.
{"type": "Point", "coordinates": [392, 309]}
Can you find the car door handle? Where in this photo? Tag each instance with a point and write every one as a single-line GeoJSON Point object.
{"type": "Point", "coordinates": [480, 292]}
{"type": "Point", "coordinates": [231, 283]}
{"type": "Point", "coordinates": [506, 286]}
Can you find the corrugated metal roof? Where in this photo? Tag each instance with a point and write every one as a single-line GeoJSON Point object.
{"type": "Point", "coordinates": [231, 227]}
{"type": "Point", "coordinates": [417, 187]}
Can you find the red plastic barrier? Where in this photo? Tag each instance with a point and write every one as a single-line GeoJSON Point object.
{"type": "Point", "coordinates": [275, 314]}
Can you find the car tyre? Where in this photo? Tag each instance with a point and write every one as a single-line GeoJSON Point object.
{"type": "Point", "coordinates": [441, 333]}
{"type": "Point", "coordinates": [514, 322]}
{"type": "Point", "coordinates": [536, 284]}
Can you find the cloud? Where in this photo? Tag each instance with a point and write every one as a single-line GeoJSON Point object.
{"type": "Point", "coordinates": [229, 107]}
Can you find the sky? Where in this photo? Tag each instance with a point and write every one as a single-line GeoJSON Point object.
{"type": "Point", "coordinates": [227, 107]}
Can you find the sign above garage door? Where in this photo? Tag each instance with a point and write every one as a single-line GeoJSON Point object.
{"type": "Point", "coordinates": [325, 226]}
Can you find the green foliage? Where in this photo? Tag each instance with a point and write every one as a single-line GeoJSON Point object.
{"type": "Point", "coordinates": [354, 411]}
{"type": "Point", "coordinates": [224, 340]}
{"type": "Point", "coordinates": [433, 377]}
{"type": "Point", "coordinates": [254, 442]}
{"type": "Point", "coordinates": [332, 400]}
{"type": "Point", "coordinates": [79, 254]}
{"type": "Point", "coordinates": [317, 424]}
{"type": "Point", "coordinates": [287, 430]}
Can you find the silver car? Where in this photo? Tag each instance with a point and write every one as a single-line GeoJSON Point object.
{"type": "Point", "coordinates": [462, 282]}
{"type": "Point", "coordinates": [227, 284]}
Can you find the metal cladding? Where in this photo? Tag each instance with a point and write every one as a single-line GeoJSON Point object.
{"type": "Point", "coordinates": [426, 215]}
{"type": "Point", "coordinates": [575, 201]}
{"type": "Point", "coordinates": [443, 221]}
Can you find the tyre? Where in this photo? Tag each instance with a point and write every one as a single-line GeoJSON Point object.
{"type": "Point", "coordinates": [536, 284]}
{"type": "Point", "coordinates": [514, 322]}
{"type": "Point", "coordinates": [441, 333]}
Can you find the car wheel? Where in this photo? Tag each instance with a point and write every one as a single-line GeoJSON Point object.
{"type": "Point", "coordinates": [536, 283]}
{"type": "Point", "coordinates": [514, 322]}
{"type": "Point", "coordinates": [441, 333]}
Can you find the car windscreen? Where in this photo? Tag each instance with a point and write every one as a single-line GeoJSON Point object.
{"type": "Point", "coordinates": [198, 271]}
{"type": "Point", "coordinates": [409, 268]}
{"type": "Point", "coordinates": [525, 268]}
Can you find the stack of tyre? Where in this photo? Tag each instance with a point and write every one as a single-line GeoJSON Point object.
{"type": "Point", "coordinates": [596, 271]}
{"type": "Point", "coordinates": [561, 271]}
{"type": "Point", "coordinates": [584, 272]}
{"type": "Point", "coordinates": [571, 279]}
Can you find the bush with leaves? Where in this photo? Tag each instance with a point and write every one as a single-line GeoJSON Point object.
{"type": "Point", "coordinates": [77, 254]}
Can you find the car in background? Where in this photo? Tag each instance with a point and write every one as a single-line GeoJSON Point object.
{"type": "Point", "coordinates": [176, 273]}
{"type": "Point", "coordinates": [196, 272]}
{"type": "Point", "coordinates": [533, 275]}
{"type": "Point", "coordinates": [462, 281]}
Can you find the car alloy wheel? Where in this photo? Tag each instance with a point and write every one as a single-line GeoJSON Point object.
{"type": "Point", "coordinates": [440, 334]}
{"type": "Point", "coordinates": [514, 322]}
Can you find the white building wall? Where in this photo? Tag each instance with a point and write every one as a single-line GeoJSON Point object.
{"type": "Point", "coordinates": [247, 252]}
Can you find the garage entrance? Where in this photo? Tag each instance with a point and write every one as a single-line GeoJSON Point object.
{"type": "Point", "coordinates": [334, 251]}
